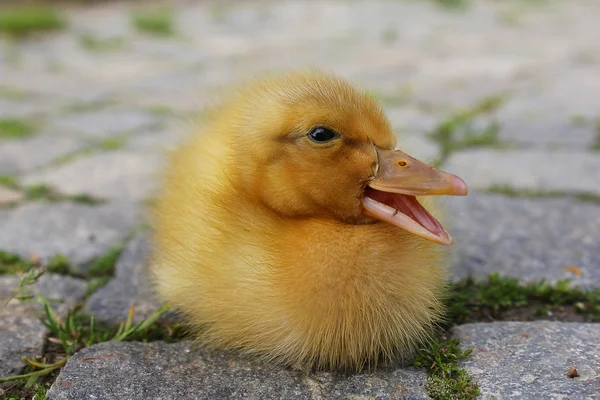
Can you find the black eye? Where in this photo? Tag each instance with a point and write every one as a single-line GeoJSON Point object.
{"type": "Point", "coordinates": [322, 135]}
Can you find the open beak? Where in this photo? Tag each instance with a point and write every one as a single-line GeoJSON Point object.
{"type": "Point", "coordinates": [390, 196]}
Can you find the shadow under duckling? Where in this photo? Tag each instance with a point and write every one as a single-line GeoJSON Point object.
{"type": "Point", "coordinates": [288, 229]}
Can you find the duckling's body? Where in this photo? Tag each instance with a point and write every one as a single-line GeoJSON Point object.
{"type": "Point", "coordinates": [264, 259]}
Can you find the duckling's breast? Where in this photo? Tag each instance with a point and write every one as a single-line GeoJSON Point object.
{"type": "Point", "coordinates": [303, 292]}
{"type": "Point", "coordinates": [360, 290]}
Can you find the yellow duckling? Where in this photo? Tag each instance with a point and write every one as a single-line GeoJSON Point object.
{"type": "Point", "coordinates": [288, 228]}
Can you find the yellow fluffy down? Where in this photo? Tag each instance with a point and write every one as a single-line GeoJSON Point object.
{"type": "Point", "coordinates": [251, 247]}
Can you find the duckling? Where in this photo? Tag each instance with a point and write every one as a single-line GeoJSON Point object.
{"type": "Point", "coordinates": [288, 228]}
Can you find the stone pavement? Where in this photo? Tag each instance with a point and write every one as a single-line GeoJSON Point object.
{"type": "Point", "coordinates": [101, 118]}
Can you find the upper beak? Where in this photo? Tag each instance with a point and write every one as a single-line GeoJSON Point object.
{"type": "Point", "coordinates": [391, 195]}
{"type": "Point", "coordinates": [401, 173]}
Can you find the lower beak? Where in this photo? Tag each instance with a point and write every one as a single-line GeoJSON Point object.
{"type": "Point", "coordinates": [390, 197]}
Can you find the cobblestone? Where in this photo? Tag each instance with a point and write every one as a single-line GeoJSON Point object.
{"type": "Point", "coordinates": [535, 239]}
{"type": "Point", "coordinates": [77, 231]}
{"type": "Point", "coordinates": [106, 123]}
{"type": "Point", "coordinates": [528, 170]}
{"type": "Point", "coordinates": [120, 175]}
{"type": "Point", "coordinates": [105, 115]}
{"type": "Point", "coordinates": [20, 328]}
{"type": "Point", "coordinates": [129, 287]}
{"type": "Point", "coordinates": [531, 359]}
{"type": "Point", "coordinates": [162, 371]}
{"type": "Point", "coordinates": [21, 156]}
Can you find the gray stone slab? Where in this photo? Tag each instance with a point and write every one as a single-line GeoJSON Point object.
{"type": "Point", "coordinates": [124, 175]}
{"type": "Point", "coordinates": [31, 107]}
{"type": "Point", "coordinates": [20, 156]}
{"type": "Point", "coordinates": [530, 360]}
{"type": "Point", "coordinates": [130, 287]}
{"type": "Point", "coordinates": [548, 133]}
{"type": "Point", "coordinates": [36, 73]}
{"type": "Point", "coordinates": [109, 21]}
{"type": "Point", "coordinates": [167, 371]}
{"type": "Point", "coordinates": [542, 116]}
{"type": "Point", "coordinates": [21, 332]}
{"type": "Point", "coordinates": [528, 169]}
{"type": "Point", "coordinates": [530, 239]}
{"type": "Point", "coordinates": [161, 141]}
{"type": "Point", "coordinates": [106, 122]}
{"type": "Point", "coordinates": [411, 120]}
{"type": "Point", "coordinates": [77, 231]}
{"type": "Point", "coordinates": [185, 103]}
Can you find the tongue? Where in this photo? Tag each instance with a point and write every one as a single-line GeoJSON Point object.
{"type": "Point", "coordinates": [405, 212]}
{"type": "Point", "coordinates": [410, 206]}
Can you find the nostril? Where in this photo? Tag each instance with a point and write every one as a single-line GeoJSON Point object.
{"type": "Point", "coordinates": [402, 163]}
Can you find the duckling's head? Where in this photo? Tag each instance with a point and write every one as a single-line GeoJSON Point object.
{"type": "Point", "coordinates": [310, 145]}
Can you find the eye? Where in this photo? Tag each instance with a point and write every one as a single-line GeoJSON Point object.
{"type": "Point", "coordinates": [322, 135]}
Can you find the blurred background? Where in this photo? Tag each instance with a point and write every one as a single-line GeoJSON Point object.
{"type": "Point", "coordinates": [503, 93]}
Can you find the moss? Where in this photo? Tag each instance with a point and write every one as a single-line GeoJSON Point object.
{"type": "Point", "coordinates": [15, 128]}
{"type": "Point", "coordinates": [40, 192]}
{"type": "Point", "coordinates": [11, 263]}
{"type": "Point", "coordinates": [400, 97]}
{"type": "Point", "coordinates": [219, 11]}
{"type": "Point", "coordinates": [19, 391]}
{"type": "Point", "coordinates": [105, 265]}
{"type": "Point", "coordinates": [510, 17]}
{"type": "Point", "coordinates": [101, 267]}
{"type": "Point", "coordinates": [578, 119]}
{"type": "Point", "coordinates": [84, 199]}
{"type": "Point", "coordinates": [68, 157]}
{"type": "Point", "coordinates": [108, 144]}
{"type": "Point", "coordinates": [161, 110]}
{"type": "Point", "coordinates": [389, 35]}
{"type": "Point", "coordinates": [9, 181]}
{"type": "Point", "coordinates": [588, 197]}
{"type": "Point", "coordinates": [82, 107]}
{"type": "Point", "coordinates": [93, 43]}
{"type": "Point", "coordinates": [484, 138]}
{"type": "Point", "coordinates": [453, 4]}
{"type": "Point", "coordinates": [458, 131]}
{"type": "Point", "coordinates": [12, 93]}
{"type": "Point", "coordinates": [156, 22]}
{"type": "Point", "coordinates": [447, 381]}
{"type": "Point", "coordinates": [59, 265]}
{"type": "Point", "coordinates": [96, 283]}
{"type": "Point", "coordinates": [440, 388]}
{"type": "Point", "coordinates": [113, 143]}
{"type": "Point", "coordinates": [22, 21]}
{"type": "Point", "coordinates": [596, 144]}
{"type": "Point", "coordinates": [594, 123]}
{"type": "Point", "coordinates": [503, 298]}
